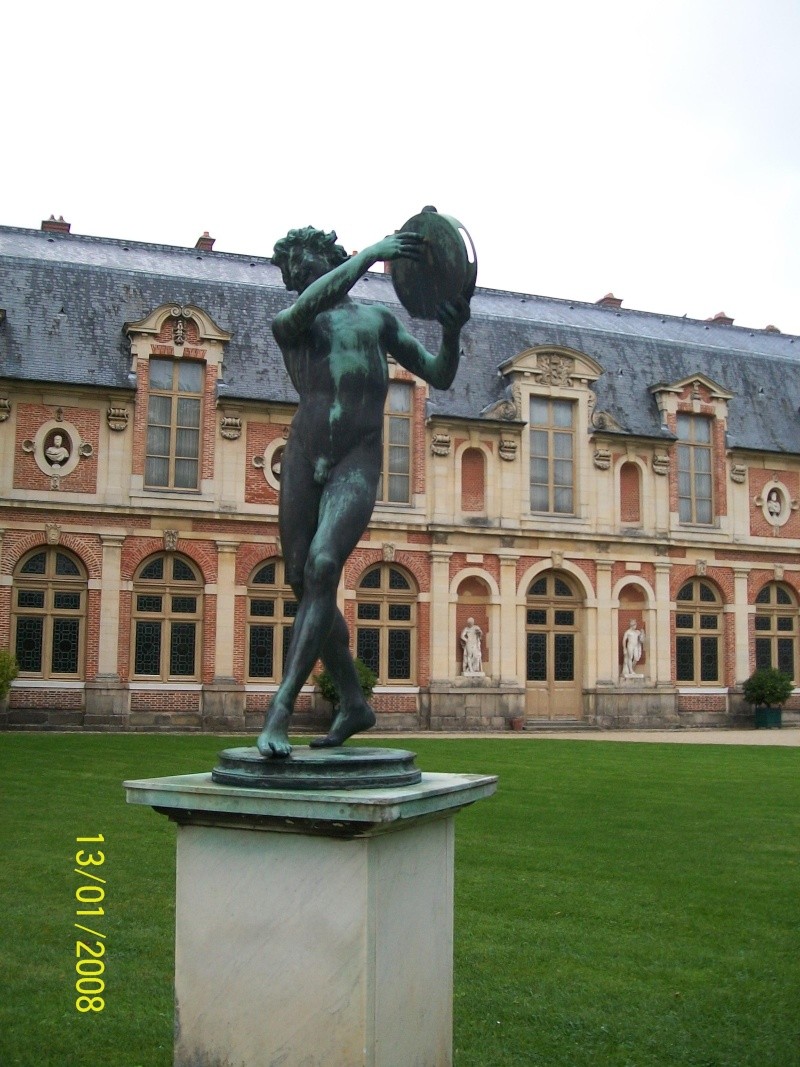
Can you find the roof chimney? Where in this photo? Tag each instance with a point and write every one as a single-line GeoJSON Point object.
{"type": "Point", "coordinates": [771, 329]}
{"type": "Point", "coordinates": [609, 301]}
{"type": "Point", "coordinates": [55, 225]}
{"type": "Point", "coordinates": [205, 243]}
{"type": "Point", "coordinates": [721, 319]}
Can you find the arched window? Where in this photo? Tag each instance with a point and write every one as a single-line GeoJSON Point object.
{"type": "Point", "coordinates": [630, 504]}
{"type": "Point", "coordinates": [473, 480]}
{"type": "Point", "coordinates": [386, 610]}
{"type": "Point", "coordinates": [776, 628]}
{"type": "Point", "coordinates": [271, 611]}
{"type": "Point", "coordinates": [698, 634]}
{"type": "Point", "coordinates": [48, 613]}
{"type": "Point", "coordinates": [167, 611]}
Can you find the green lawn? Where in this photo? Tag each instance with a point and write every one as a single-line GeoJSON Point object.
{"type": "Point", "coordinates": [616, 904]}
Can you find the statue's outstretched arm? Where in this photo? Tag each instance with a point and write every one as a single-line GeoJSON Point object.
{"type": "Point", "coordinates": [439, 370]}
{"type": "Point", "coordinates": [328, 290]}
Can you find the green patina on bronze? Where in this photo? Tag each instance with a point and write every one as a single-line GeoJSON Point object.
{"type": "Point", "coordinates": [335, 351]}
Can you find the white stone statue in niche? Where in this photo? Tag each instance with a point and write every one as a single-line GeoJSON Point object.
{"type": "Point", "coordinates": [632, 648]}
{"type": "Point", "coordinates": [472, 662]}
{"type": "Point", "coordinates": [56, 453]}
{"type": "Point", "coordinates": [774, 504]}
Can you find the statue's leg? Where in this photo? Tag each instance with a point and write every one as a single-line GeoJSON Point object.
{"type": "Point", "coordinates": [298, 514]}
{"type": "Point", "coordinates": [345, 507]}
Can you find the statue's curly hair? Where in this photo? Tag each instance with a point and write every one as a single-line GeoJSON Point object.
{"type": "Point", "coordinates": [308, 237]}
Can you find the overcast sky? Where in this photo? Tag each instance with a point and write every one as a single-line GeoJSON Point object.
{"type": "Point", "coordinates": [647, 148]}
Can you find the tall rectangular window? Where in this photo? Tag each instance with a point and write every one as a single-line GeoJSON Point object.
{"type": "Point", "coordinates": [695, 496]}
{"type": "Point", "coordinates": [395, 483]}
{"type": "Point", "coordinates": [173, 424]}
{"type": "Point", "coordinates": [552, 455]}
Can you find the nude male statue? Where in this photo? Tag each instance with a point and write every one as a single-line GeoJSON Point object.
{"type": "Point", "coordinates": [335, 352]}
{"type": "Point", "coordinates": [632, 647]}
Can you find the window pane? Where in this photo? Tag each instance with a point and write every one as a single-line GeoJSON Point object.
{"type": "Point", "coordinates": [154, 571]}
{"type": "Point", "coordinates": [372, 580]}
{"type": "Point", "coordinates": [158, 441]}
{"type": "Point", "coordinates": [400, 431]}
{"type": "Point", "coordinates": [564, 618]}
{"type": "Point", "coordinates": [785, 623]}
{"type": "Point", "coordinates": [400, 613]}
{"type": "Point", "coordinates": [399, 487]}
{"type": "Point", "coordinates": [65, 646]}
{"type": "Point", "coordinates": [188, 412]}
{"type": "Point", "coordinates": [368, 647]}
{"type": "Point", "coordinates": [181, 652]}
{"type": "Point", "coordinates": [709, 659]}
{"type": "Point", "coordinates": [537, 618]}
{"type": "Point", "coordinates": [537, 657]}
{"type": "Point", "coordinates": [564, 657]}
{"type": "Point", "coordinates": [685, 592]}
{"type": "Point", "coordinates": [184, 605]}
{"type": "Point", "coordinates": [190, 377]}
{"type": "Point", "coordinates": [562, 500]}
{"type": "Point", "coordinates": [684, 621]}
{"type": "Point", "coordinates": [161, 373]}
{"type": "Point", "coordinates": [539, 443]}
{"type": "Point", "coordinates": [763, 596]}
{"type": "Point", "coordinates": [369, 611]}
{"type": "Point", "coordinates": [185, 474]}
{"type": "Point", "coordinates": [707, 594]}
{"type": "Point", "coordinates": [562, 445]}
{"type": "Point", "coordinates": [397, 580]}
{"type": "Point", "coordinates": [187, 444]}
{"type": "Point", "coordinates": [560, 587]}
{"type": "Point", "coordinates": [562, 413]}
{"type": "Point", "coordinates": [66, 566]}
{"type": "Point", "coordinates": [684, 659]}
{"type": "Point", "coordinates": [182, 572]}
{"type": "Point", "coordinates": [157, 472]}
{"type": "Point", "coordinates": [147, 657]}
{"type": "Point", "coordinates": [261, 651]}
{"type": "Point", "coordinates": [762, 622]}
{"type": "Point", "coordinates": [538, 588]}
{"type": "Point", "coordinates": [159, 411]}
{"type": "Point", "coordinates": [685, 510]}
{"type": "Point", "coordinates": [67, 601]}
{"type": "Point", "coordinates": [709, 622]}
{"type": "Point", "coordinates": [30, 598]}
{"type": "Point", "coordinates": [702, 430]}
{"type": "Point", "coordinates": [290, 609]}
{"type": "Point", "coordinates": [399, 397]}
{"type": "Point", "coordinates": [399, 666]}
{"type": "Point", "coordinates": [702, 460]}
{"type": "Point", "coordinates": [763, 653]}
{"type": "Point", "coordinates": [28, 648]}
{"type": "Point", "coordinates": [266, 575]}
{"type": "Point", "coordinates": [35, 565]}
{"type": "Point", "coordinates": [539, 498]}
{"type": "Point", "coordinates": [781, 596]}
{"type": "Point", "coordinates": [148, 603]}
{"type": "Point", "coordinates": [539, 413]}
{"type": "Point", "coordinates": [262, 608]}
{"type": "Point", "coordinates": [786, 656]}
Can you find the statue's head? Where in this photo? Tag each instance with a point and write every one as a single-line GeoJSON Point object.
{"type": "Point", "coordinates": [305, 255]}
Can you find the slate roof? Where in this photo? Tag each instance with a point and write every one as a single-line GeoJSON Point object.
{"type": "Point", "coordinates": [66, 297]}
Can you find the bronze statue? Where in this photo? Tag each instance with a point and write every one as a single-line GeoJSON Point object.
{"type": "Point", "coordinates": [335, 352]}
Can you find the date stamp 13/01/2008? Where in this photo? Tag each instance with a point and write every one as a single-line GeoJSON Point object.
{"type": "Point", "coordinates": [90, 965]}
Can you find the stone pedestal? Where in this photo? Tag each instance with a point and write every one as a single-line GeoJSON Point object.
{"type": "Point", "coordinates": [313, 929]}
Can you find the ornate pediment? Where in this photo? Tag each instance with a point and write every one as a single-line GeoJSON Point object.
{"type": "Point", "coordinates": [181, 315]}
{"type": "Point", "coordinates": [694, 387]}
{"type": "Point", "coordinates": [554, 367]}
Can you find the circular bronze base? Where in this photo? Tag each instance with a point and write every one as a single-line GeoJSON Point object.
{"type": "Point", "coordinates": [318, 768]}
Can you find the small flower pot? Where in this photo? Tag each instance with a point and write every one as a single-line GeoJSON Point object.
{"type": "Point", "coordinates": [517, 723]}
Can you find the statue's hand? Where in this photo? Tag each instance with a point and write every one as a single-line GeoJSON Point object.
{"type": "Point", "coordinates": [453, 314]}
{"type": "Point", "coordinates": [399, 246]}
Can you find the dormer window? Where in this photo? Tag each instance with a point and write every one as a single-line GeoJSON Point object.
{"type": "Point", "coordinates": [552, 455]}
{"type": "Point", "coordinates": [173, 424]}
{"type": "Point", "coordinates": [695, 482]}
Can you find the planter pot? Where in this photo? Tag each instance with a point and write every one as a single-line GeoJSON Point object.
{"type": "Point", "coordinates": [768, 718]}
{"type": "Point", "coordinates": [517, 723]}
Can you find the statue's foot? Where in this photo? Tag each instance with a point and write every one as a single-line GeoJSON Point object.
{"type": "Point", "coordinates": [273, 741]}
{"type": "Point", "coordinates": [348, 721]}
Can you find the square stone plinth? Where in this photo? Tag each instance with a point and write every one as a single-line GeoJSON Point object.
{"type": "Point", "coordinates": [313, 929]}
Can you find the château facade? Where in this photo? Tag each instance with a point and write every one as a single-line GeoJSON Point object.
{"type": "Point", "coordinates": [591, 465]}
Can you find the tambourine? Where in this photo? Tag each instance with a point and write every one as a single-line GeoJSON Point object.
{"type": "Point", "coordinates": [448, 267]}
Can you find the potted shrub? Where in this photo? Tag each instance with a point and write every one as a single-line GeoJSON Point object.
{"type": "Point", "coordinates": [767, 689]}
{"type": "Point", "coordinates": [366, 679]}
{"type": "Point", "coordinates": [9, 669]}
